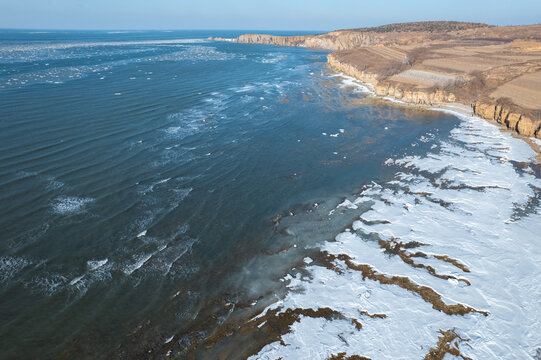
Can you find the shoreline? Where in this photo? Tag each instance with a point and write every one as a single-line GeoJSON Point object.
{"type": "Point", "coordinates": [361, 270]}
{"type": "Point", "coordinates": [455, 108]}
{"type": "Point", "coordinates": [281, 321]}
{"type": "Point", "coordinates": [495, 70]}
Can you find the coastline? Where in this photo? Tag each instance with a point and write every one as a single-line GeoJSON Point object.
{"type": "Point", "coordinates": [473, 178]}
{"type": "Point", "coordinates": [375, 267]}
{"type": "Point", "coordinates": [264, 205]}
{"type": "Point", "coordinates": [368, 82]}
{"type": "Point", "coordinates": [495, 70]}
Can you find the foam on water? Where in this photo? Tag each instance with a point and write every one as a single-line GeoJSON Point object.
{"type": "Point", "coordinates": [273, 58]}
{"type": "Point", "coordinates": [96, 264]}
{"type": "Point", "coordinates": [10, 266]}
{"type": "Point", "coordinates": [349, 81]}
{"type": "Point", "coordinates": [48, 284]}
{"type": "Point", "coordinates": [198, 53]}
{"type": "Point", "coordinates": [55, 75]}
{"type": "Point", "coordinates": [140, 260]}
{"type": "Point", "coordinates": [461, 202]}
{"type": "Point", "coordinates": [66, 205]}
{"type": "Point", "coordinates": [198, 118]}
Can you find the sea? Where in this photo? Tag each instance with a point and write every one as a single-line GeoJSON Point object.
{"type": "Point", "coordinates": [167, 196]}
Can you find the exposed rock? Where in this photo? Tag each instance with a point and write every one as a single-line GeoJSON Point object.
{"type": "Point", "coordinates": [448, 343]}
{"type": "Point", "coordinates": [351, 70]}
{"type": "Point", "coordinates": [521, 123]}
{"type": "Point", "coordinates": [342, 356]}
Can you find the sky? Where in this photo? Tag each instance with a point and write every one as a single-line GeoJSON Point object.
{"type": "Point", "coordinates": [256, 14]}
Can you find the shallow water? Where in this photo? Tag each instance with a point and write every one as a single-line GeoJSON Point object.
{"type": "Point", "coordinates": [141, 172]}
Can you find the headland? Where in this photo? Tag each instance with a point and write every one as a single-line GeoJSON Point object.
{"type": "Point", "coordinates": [495, 70]}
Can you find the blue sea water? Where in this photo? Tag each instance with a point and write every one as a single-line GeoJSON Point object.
{"type": "Point", "coordinates": [140, 174]}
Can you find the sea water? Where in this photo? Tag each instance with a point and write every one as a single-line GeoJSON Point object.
{"type": "Point", "coordinates": [158, 185]}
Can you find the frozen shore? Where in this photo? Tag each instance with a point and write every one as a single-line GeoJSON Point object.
{"type": "Point", "coordinates": [462, 222]}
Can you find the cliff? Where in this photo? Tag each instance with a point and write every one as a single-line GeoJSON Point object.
{"type": "Point", "coordinates": [522, 123]}
{"type": "Point", "coordinates": [381, 88]}
{"type": "Point", "coordinates": [330, 41]}
{"type": "Point", "coordinates": [496, 70]}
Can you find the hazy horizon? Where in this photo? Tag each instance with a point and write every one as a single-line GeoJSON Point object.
{"type": "Point", "coordinates": [293, 15]}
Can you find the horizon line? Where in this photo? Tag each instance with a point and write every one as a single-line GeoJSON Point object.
{"type": "Point", "coordinates": [179, 29]}
{"type": "Point", "coordinates": [248, 29]}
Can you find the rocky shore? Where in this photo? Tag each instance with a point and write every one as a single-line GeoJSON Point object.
{"type": "Point", "coordinates": [495, 70]}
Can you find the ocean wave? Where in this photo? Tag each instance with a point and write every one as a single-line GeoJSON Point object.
{"type": "Point", "coordinates": [349, 81]}
{"type": "Point", "coordinates": [198, 118]}
{"type": "Point", "coordinates": [48, 284]}
{"type": "Point", "coordinates": [96, 264]}
{"type": "Point", "coordinates": [139, 260]}
{"type": "Point", "coordinates": [163, 259]}
{"type": "Point", "coordinates": [167, 259]}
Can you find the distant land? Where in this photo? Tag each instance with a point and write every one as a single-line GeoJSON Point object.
{"type": "Point", "coordinates": [494, 69]}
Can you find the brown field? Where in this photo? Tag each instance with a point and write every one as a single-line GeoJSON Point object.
{"type": "Point", "coordinates": [501, 62]}
{"type": "Point", "coordinates": [524, 90]}
{"type": "Point", "coordinates": [423, 78]}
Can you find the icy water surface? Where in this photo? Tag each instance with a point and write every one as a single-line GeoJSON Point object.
{"type": "Point", "coordinates": [159, 190]}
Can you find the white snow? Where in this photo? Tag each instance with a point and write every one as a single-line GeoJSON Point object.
{"type": "Point", "coordinates": [490, 222]}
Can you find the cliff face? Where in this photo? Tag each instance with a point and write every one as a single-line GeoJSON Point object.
{"type": "Point", "coordinates": [330, 41]}
{"type": "Point", "coordinates": [521, 123]}
{"type": "Point", "coordinates": [382, 88]}
{"type": "Point", "coordinates": [351, 70]}
{"type": "Point", "coordinates": [272, 40]}
{"type": "Point", "coordinates": [397, 35]}
{"type": "Point", "coordinates": [421, 97]}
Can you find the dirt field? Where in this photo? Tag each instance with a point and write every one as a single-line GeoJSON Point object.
{"type": "Point", "coordinates": [423, 78]}
{"type": "Point", "coordinates": [524, 91]}
{"type": "Point", "coordinates": [503, 62]}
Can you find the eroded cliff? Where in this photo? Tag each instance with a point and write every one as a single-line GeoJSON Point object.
{"type": "Point", "coordinates": [522, 123]}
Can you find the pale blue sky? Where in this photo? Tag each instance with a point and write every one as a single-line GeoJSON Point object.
{"type": "Point", "coordinates": [256, 14]}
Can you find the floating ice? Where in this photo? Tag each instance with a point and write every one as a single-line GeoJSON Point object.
{"type": "Point", "coordinates": [347, 204]}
